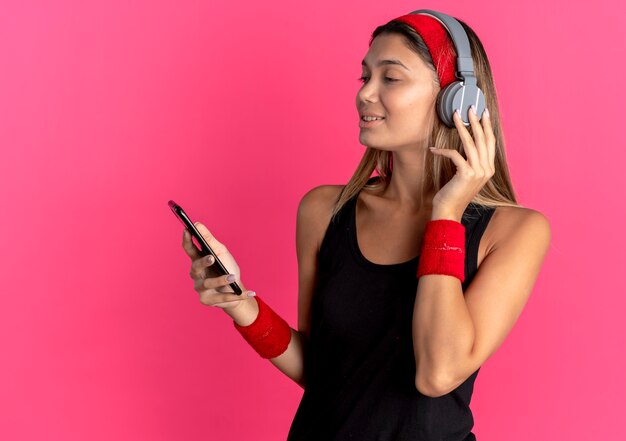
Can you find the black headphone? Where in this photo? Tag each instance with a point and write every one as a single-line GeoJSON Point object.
{"type": "Point", "coordinates": [463, 93]}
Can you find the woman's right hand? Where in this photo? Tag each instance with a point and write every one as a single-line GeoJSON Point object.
{"type": "Point", "coordinates": [213, 287]}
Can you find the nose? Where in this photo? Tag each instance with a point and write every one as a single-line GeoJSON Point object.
{"type": "Point", "coordinates": [367, 93]}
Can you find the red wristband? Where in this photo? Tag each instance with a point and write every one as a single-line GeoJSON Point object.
{"type": "Point", "coordinates": [443, 249]}
{"type": "Point", "coordinates": [269, 335]}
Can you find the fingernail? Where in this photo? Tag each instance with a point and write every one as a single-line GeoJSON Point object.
{"type": "Point", "coordinates": [486, 112]}
{"type": "Point", "coordinates": [231, 278]}
{"type": "Point", "coordinates": [458, 112]}
{"type": "Point", "coordinates": [473, 109]}
{"type": "Point", "coordinates": [209, 259]}
{"type": "Point", "coordinates": [251, 294]}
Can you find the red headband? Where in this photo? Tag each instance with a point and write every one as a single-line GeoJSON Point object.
{"type": "Point", "coordinates": [439, 44]}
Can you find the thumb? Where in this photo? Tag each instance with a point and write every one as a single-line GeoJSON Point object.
{"type": "Point", "coordinates": [208, 236]}
{"type": "Point", "coordinates": [215, 244]}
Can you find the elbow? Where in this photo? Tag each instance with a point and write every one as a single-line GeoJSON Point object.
{"type": "Point", "coordinates": [300, 382]}
{"type": "Point", "coordinates": [430, 386]}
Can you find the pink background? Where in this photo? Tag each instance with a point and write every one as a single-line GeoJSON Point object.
{"type": "Point", "coordinates": [109, 109]}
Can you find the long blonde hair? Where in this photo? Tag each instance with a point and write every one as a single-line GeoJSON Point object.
{"type": "Point", "coordinates": [498, 191]}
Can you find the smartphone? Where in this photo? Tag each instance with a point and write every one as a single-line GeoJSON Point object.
{"type": "Point", "coordinates": [205, 249]}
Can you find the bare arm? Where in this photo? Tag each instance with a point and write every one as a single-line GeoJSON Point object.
{"type": "Point", "coordinates": [289, 362]}
{"type": "Point", "coordinates": [454, 333]}
{"type": "Point", "coordinates": [311, 223]}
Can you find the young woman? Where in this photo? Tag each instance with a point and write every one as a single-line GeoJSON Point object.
{"type": "Point", "coordinates": [379, 355]}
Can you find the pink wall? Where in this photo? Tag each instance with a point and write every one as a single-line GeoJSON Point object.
{"type": "Point", "coordinates": [235, 110]}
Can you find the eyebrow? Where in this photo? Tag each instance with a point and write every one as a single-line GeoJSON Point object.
{"type": "Point", "coordinates": [382, 62]}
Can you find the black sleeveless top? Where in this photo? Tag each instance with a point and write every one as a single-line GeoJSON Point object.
{"type": "Point", "coordinates": [359, 365]}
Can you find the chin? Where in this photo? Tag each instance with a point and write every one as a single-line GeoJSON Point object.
{"type": "Point", "coordinates": [377, 141]}
{"type": "Point", "coordinates": [377, 147]}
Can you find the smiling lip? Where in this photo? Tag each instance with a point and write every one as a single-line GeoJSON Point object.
{"type": "Point", "coordinates": [367, 124]}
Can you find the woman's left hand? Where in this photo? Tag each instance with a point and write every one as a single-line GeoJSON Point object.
{"type": "Point", "coordinates": [453, 198]}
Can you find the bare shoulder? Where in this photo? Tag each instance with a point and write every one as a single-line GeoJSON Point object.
{"type": "Point", "coordinates": [322, 193]}
{"type": "Point", "coordinates": [316, 207]}
{"type": "Point", "coordinates": [518, 224]}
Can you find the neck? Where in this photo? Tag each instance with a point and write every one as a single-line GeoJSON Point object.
{"type": "Point", "coordinates": [408, 189]}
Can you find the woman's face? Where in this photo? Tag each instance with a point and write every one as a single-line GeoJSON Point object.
{"type": "Point", "coordinates": [404, 95]}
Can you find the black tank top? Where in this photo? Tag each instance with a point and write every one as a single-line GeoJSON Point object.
{"type": "Point", "coordinates": [359, 366]}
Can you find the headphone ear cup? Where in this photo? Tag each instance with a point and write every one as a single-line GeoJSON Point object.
{"type": "Point", "coordinates": [445, 103]}
{"type": "Point", "coordinates": [457, 95]}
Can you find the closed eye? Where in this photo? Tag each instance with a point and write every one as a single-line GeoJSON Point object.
{"type": "Point", "coordinates": [363, 79]}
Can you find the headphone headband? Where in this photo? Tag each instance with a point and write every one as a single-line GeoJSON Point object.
{"type": "Point", "coordinates": [457, 93]}
{"type": "Point", "coordinates": [464, 61]}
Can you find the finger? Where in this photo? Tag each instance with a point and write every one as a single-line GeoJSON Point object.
{"type": "Point", "coordinates": [198, 266]}
{"type": "Point", "coordinates": [456, 157]}
{"type": "Point", "coordinates": [490, 139]}
{"type": "Point", "coordinates": [479, 140]}
{"type": "Point", "coordinates": [215, 282]}
{"type": "Point", "coordinates": [211, 297]}
{"type": "Point", "coordinates": [468, 142]}
{"type": "Point", "coordinates": [189, 247]}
